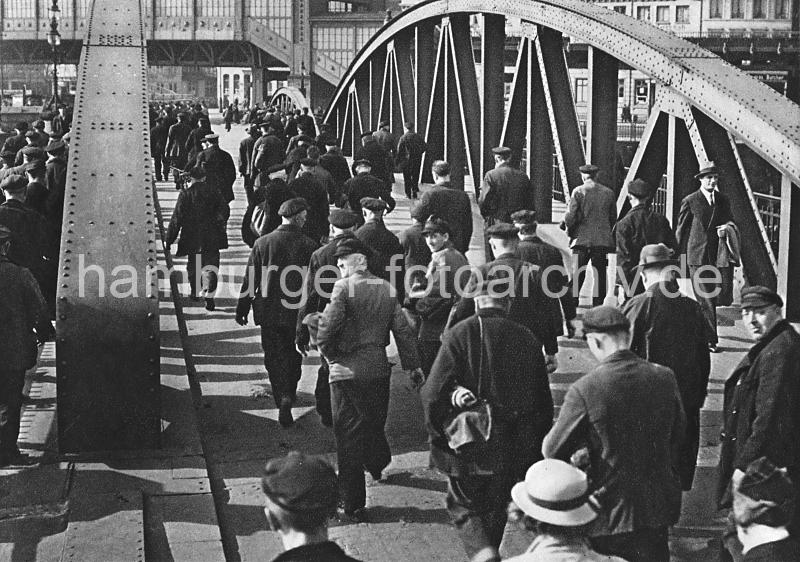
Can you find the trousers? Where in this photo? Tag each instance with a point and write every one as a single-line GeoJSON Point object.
{"type": "Point", "coordinates": [203, 267]}
{"type": "Point", "coordinates": [641, 545]}
{"type": "Point", "coordinates": [161, 166]}
{"type": "Point", "coordinates": [359, 416]}
{"type": "Point", "coordinates": [704, 286]}
{"type": "Point", "coordinates": [11, 385]}
{"type": "Point", "coordinates": [411, 176]}
{"type": "Point", "coordinates": [599, 259]}
{"type": "Point", "coordinates": [282, 361]}
{"type": "Point", "coordinates": [428, 350]}
{"type": "Point", "coordinates": [322, 391]}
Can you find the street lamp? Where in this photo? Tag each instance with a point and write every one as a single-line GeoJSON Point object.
{"type": "Point", "coordinates": [54, 39]}
{"type": "Point", "coordinates": [303, 77]}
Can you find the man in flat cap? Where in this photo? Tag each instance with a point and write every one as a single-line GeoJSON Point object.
{"type": "Point", "coordinates": [176, 149]}
{"type": "Point", "coordinates": [364, 184]}
{"type": "Point", "coordinates": [416, 253]}
{"type": "Point", "coordinates": [28, 154]}
{"type": "Point", "coordinates": [62, 122]}
{"type": "Point", "coordinates": [450, 204]}
{"type": "Point", "coordinates": [762, 397]}
{"type": "Point", "coordinates": [16, 142]}
{"type": "Point", "coordinates": [410, 149]}
{"type": "Point", "coordinates": [530, 306]}
{"type": "Point", "coordinates": [504, 189]}
{"type": "Point", "coordinates": [669, 329]}
{"type": "Point", "coordinates": [547, 257]}
{"type": "Point", "coordinates": [301, 492]}
{"type": "Point", "coordinates": [701, 223]}
{"type": "Point", "coordinates": [56, 176]}
{"type": "Point", "coordinates": [306, 185]}
{"type": "Point", "coordinates": [448, 272]}
{"type": "Point", "coordinates": [591, 214]}
{"type": "Point", "coordinates": [491, 357]}
{"type": "Point", "coordinates": [384, 137]}
{"type": "Point", "coordinates": [40, 137]}
{"type": "Point", "coordinates": [372, 150]}
{"type": "Point", "coordinates": [353, 335]}
{"type": "Point", "coordinates": [36, 192]}
{"type": "Point", "coordinates": [764, 504]}
{"type": "Point", "coordinates": [273, 287]}
{"type": "Point", "coordinates": [326, 137]}
{"type": "Point", "coordinates": [387, 253]}
{"type": "Point", "coordinates": [268, 155]}
{"type": "Point", "coordinates": [334, 161]}
{"type": "Point", "coordinates": [622, 423]}
{"type": "Point", "coordinates": [640, 227]}
{"type": "Point", "coordinates": [200, 216]}
{"type": "Point", "coordinates": [24, 310]}
{"type": "Point", "coordinates": [322, 274]}
{"type": "Point", "coordinates": [220, 170]}
{"type": "Point", "coordinates": [195, 142]}
{"type": "Point", "coordinates": [158, 144]}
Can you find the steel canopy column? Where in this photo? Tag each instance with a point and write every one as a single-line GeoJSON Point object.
{"type": "Point", "coordinates": [455, 147]}
{"type": "Point", "coordinates": [434, 127]}
{"type": "Point", "coordinates": [493, 75]}
{"type": "Point", "coordinates": [466, 82]}
{"type": "Point", "coordinates": [681, 167]}
{"type": "Point", "coordinates": [540, 146]}
{"type": "Point", "coordinates": [425, 61]}
{"type": "Point", "coordinates": [601, 117]}
{"type": "Point", "coordinates": [517, 121]}
{"type": "Point", "coordinates": [377, 66]}
{"type": "Point", "coordinates": [405, 79]}
{"type": "Point", "coordinates": [789, 249]}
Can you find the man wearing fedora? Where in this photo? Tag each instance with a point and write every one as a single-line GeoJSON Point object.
{"type": "Point", "coordinates": [701, 221]}
{"type": "Point", "coordinates": [591, 214]}
{"type": "Point", "coordinates": [623, 423]}
{"type": "Point", "coordinates": [450, 204]}
{"type": "Point", "coordinates": [555, 504]}
{"type": "Point", "coordinates": [492, 358]}
{"type": "Point", "coordinates": [504, 189]}
{"type": "Point", "coordinates": [669, 329]}
{"type": "Point", "coordinates": [640, 226]}
{"type": "Point", "coordinates": [385, 138]}
{"type": "Point", "coordinates": [761, 411]}
{"type": "Point", "coordinates": [364, 184]}
{"type": "Point", "coordinates": [220, 170]}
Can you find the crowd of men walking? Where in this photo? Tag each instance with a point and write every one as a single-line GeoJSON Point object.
{"type": "Point", "coordinates": [604, 480]}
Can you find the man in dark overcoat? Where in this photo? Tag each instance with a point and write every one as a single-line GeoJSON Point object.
{"type": "Point", "coordinates": [762, 400]}
{"type": "Point", "coordinates": [194, 143]}
{"type": "Point", "coordinates": [364, 184]}
{"type": "Point", "coordinates": [384, 137]}
{"type": "Point", "coordinates": [387, 253]}
{"type": "Point", "coordinates": [334, 161]}
{"type": "Point", "coordinates": [450, 204]}
{"type": "Point", "coordinates": [490, 357]}
{"type": "Point", "coordinates": [307, 186]}
{"type": "Point", "coordinates": [23, 309]}
{"type": "Point", "coordinates": [200, 216]}
{"type": "Point", "coordinates": [220, 170]}
{"type": "Point", "coordinates": [416, 252]}
{"type": "Point", "coordinates": [410, 149]}
{"type": "Point", "coordinates": [640, 226]}
{"type": "Point", "coordinates": [158, 144]}
{"type": "Point", "coordinates": [273, 287]}
{"type": "Point", "coordinates": [322, 274]}
{"type": "Point", "coordinates": [268, 154]}
{"type": "Point", "coordinates": [372, 151]}
{"type": "Point", "coordinates": [504, 189]}
{"type": "Point", "coordinates": [669, 329]}
{"type": "Point", "coordinates": [623, 423]}
{"type": "Point", "coordinates": [246, 146]}
{"type": "Point", "coordinates": [530, 306]}
{"type": "Point", "coordinates": [16, 142]}
{"type": "Point", "coordinates": [176, 150]}
{"type": "Point", "coordinates": [701, 216]}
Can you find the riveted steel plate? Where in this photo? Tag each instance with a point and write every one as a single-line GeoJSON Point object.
{"type": "Point", "coordinates": [107, 346]}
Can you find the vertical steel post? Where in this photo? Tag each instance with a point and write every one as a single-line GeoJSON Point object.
{"type": "Point", "coordinates": [601, 117]}
{"type": "Point", "coordinates": [789, 249]}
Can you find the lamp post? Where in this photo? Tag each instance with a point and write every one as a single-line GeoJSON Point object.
{"type": "Point", "coordinates": [54, 39]}
{"type": "Point", "coordinates": [303, 77]}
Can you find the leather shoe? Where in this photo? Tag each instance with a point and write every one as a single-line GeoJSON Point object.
{"type": "Point", "coordinates": [285, 414]}
{"type": "Point", "coordinates": [210, 306]}
{"type": "Point", "coordinates": [15, 460]}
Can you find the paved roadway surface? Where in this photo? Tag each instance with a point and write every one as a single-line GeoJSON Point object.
{"type": "Point", "coordinates": [66, 509]}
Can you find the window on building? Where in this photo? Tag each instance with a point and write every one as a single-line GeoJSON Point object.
{"type": "Point", "coordinates": [662, 14]}
{"type": "Point", "coordinates": [216, 8]}
{"type": "Point", "coordinates": [226, 89]}
{"type": "Point", "coordinates": [758, 9]}
{"type": "Point", "coordinates": [681, 14]}
{"type": "Point", "coordinates": [277, 14]}
{"type": "Point", "coordinates": [339, 7]}
{"type": "Point", "coordinates": [19, 9]}
{"type": "Point", "coordinates": [715, 9]}
{"type": "Point", "coordinates": [236, 85]}
{"type": "Point", "coordinates": [581, 90]}
{"type": "Point", "coordinates": [620, 89]}
{"type": "Point", "coordinates": [641, 91]}
{"type": "Point", "coordinates": [643, 13]}
{"type": "Point", "coordinates": [621, 9]}
{"type": "Point", "coordinates": [781, 9]}
{"type": "Point", "coordinates": [174, 8]}
{"type": "Point", "coordinates": [736, 9]}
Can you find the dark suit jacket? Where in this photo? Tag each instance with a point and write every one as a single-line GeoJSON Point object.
{"type": "Point", "coordinates": [536, 251]}
{"type": "Point", "coordinates": [638, 228]}
{"type": "Point", "coordinates": [697, 227]}
{"type": "Point", "coordinates": [415, 252]}
{"type": "Point", "coordinates": [200, 216]}
{"type": "Point", "coordinates": [504, 190]}
{"type": "Point", "coordinates": [21, 308]}
{"type": "Point", "coordinates": [452, 205]}
{"type": "Point", "coordinates": [762, 407]}
{"type": "Point", "coordinates": [309, 188]}
{"type": "Point", "coordinates": [220, 170]}
{"type": "Point", "coordinates": [377, 155]}
{"type": "Point", "coordinates": [365, 185]}
{"type": "Point", "coordinates": [387, 252]}
{"type": "Point", "coordinates": [158, 139]}
{"type": "Point", "coordinates": [271, 254]}
{"type": "Point", "coordinates": [628, 413]}
{"type": "Point", "coordinates": [787, 550]}
{"type": "Point", "coordinates": [176, 142]}
{"type": "Point", "coordinates": [513, 378]}
{"type": "Point", "coordinates": [591, 215]}
{"type": "Point", "coordinates": [29, 242]}
{"type": "Point", "coordinates": [337, 165]}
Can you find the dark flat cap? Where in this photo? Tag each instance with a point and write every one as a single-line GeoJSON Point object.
{"type": "Point", "coordinates": [524, 216]}
{"type": "Point", "coordinates": [14, 183]}
{"type": "Point", "coordinates": [39, 124]}
{"type": "Point", "coordinates": [56, 145]}
{"type": "Point", "coordinates": [292, 207]}
{"type": "Point", "coordinates": [33, 152]}
{"type": "Point", "coordinates": [197, 172]}
{"type": "Point", "coordinates": [710, 170]}
{"type": "Point", "coordinates": [8, 155]}
{"type": "Point", "coordinates": [342, 218]}
{"type": "Point", "coordinates": [373, 204]}
{"type": "Point", "coordinates": [640, 188]}
{"type": "Point", "coordinates": [308, 162]}
{"type": "Point", "coordinates": [502, 151]}
{"type": "Point", "coordinates": [436, 224]}
{"type": "Point", "coordinates": [492, 295]}
{"type": "Point", "coordinates": [366, 134]}
{"type": "Point", "coordinates": [409, 124]}
{"type": "Point", "coordinates": [35, 166]}
{"type": "Point", "coordinates": [502, 230]}
{"type": "Point", "coordinates": [31, 134]}
{"type": "Point", "coordinates": [383, 124]}
{"type": "Point", "coordinates": [588, 169]}
{"type": "Point", "coordinates": [351, 246]}
{"type": "Point", "coordinates": [266, 125]}
{"type": "Point", "coordinates": [768, 495]}
{"type": "Point", "coordinates": [5, 233]}
{"type": "Point", "coordinates": [417, 211]}
{"type": "Point", "coordinates": [332, 141]}
{"type": "Point", "coordinates": [305, 139]}
{"type": "Point", "coordinates": [211, 137]}
{"type": "Point", "coordinates": [758, 296]}
{"type": "Point", "coordinates": [301, 483]}
{"type": "Point", "coordinates": [441, 168]}
{"type": "Point", "coordinates": [655, 255]}
{"type": "Point", "coordinates": [604, 319]}
{"type": "Point", "coordinates": [362, 162]}
{"type": "Point", "coordinates": [21, 126]}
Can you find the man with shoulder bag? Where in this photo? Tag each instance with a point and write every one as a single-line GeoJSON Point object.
{"type": "Point", "coordinates": [487, 407]}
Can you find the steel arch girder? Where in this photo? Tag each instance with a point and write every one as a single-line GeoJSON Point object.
{"type": "Point", "coordinates": [297, 98]}
{"type": "Point", "coordinates": [749, 109]}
